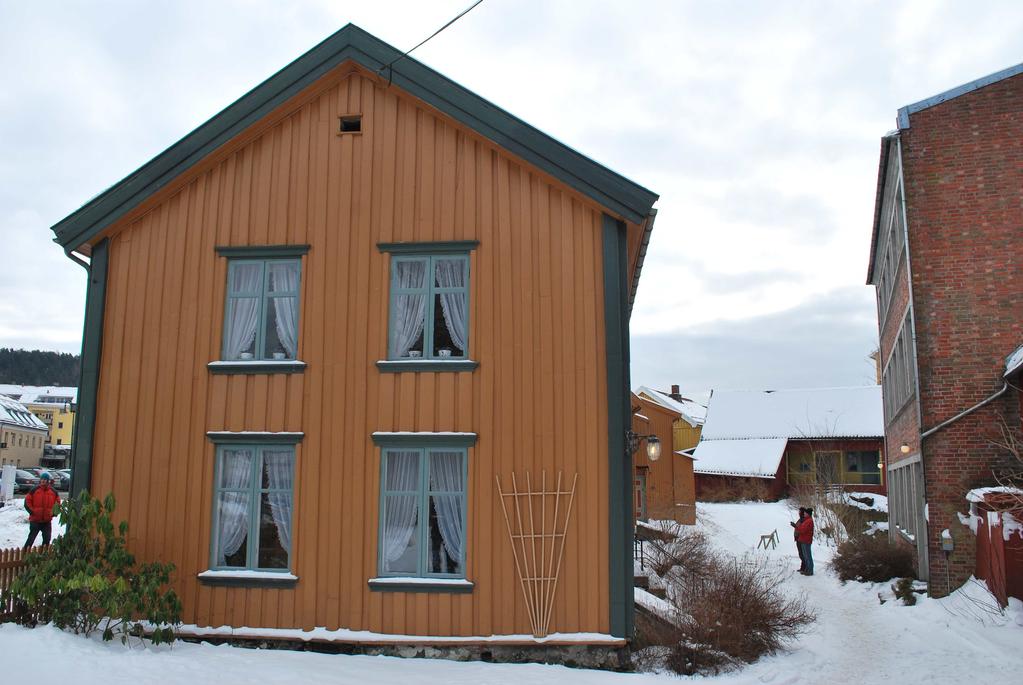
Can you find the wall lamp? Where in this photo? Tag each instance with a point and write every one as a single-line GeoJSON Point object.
{"type": "Point", "coordinates": [653, 444]}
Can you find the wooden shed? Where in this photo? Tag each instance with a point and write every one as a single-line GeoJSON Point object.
{"type": "Point", "coordinates": [334, 338]}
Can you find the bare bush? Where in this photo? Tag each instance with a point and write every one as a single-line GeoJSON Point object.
{"type": "Point", "coordinates": [682, 550]}
{"type": "Point", "coordinates": [734, 612]}
{"type": "Point", "coordinates": [1008, 472]}
{"type": "Point", "coordinates": [872, 559]}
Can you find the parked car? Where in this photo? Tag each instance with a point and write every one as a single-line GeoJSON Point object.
{"type": "Point", "coordinates": [61, 481]}
{"type": "Point", "coordinates": [24, 481]}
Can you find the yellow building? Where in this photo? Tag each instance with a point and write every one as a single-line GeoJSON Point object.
{"type": "Point", "coordinates": [21, 434]}
{"type": "Point", "coordinates": [54, 405]}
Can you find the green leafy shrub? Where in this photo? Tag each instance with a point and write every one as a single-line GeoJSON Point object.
{"type": "Point", "coordinates": [87, 580]}
{"type": "Point", "coordinates": [872, 559]}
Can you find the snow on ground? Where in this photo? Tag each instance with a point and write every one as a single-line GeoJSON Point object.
{"type": "Point", "coordinates": [856, 640]}
{"type": "Point", "coordinates": [14, 524]}
{"type": "Point", "coordinates": [91, 661]}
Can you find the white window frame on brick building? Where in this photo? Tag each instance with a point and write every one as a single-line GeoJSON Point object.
{"type": "Point", "coordinates": [898, 380]}
{"type": "Point", "coordinates": [892, 242]}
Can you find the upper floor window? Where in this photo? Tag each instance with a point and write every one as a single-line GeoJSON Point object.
{"type": "Point", "coordinates": [898, 381]}
{"type": "Point", "coordinates": [261, 314]}
{"type": "Point", "coordinates": [429, 307]}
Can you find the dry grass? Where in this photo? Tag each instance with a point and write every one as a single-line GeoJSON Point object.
{"type": "Point", "coordinates": [736, 490]}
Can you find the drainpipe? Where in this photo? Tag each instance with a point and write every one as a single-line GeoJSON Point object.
{"type": "Point", "coordinates": [81, 367]}
{"type": "Point", "coordinates": [992, 398]}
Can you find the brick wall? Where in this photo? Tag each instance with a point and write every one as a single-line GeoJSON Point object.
{"type": "Point", "coordinates": [963, 171]}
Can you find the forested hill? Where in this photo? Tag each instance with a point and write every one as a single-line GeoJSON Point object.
{"type": "Point", "coordinates": [38, 367]}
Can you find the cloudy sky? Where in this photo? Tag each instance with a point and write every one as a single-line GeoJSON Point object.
{"type": "Point", "coordinates": [758, 123]}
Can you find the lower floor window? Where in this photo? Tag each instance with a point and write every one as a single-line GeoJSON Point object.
{"type": "Point", "coordinates": [422, 512]}
{"type": "Point", "coordinates": [252, 507]}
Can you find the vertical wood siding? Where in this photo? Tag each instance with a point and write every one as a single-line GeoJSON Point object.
{"type": "Point", "coordinates": [670, 483]}
{"type": "Point", "coordinates": [536, 328]}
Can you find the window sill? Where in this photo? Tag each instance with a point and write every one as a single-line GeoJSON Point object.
{"type": "Point", "coordinates": [416, 584]}
{"type": "Point", "coordinates": [428, 365]}
{"type": "Point", "coordinates": [257, 366]}
{"type": "Point", "coordinates": [274, 579]}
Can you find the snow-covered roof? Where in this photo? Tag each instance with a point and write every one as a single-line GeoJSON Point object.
{"type": "Point", "coordinates": [1014, 362]}
{"type": "Point", "coordinates": [40, 394]}
{"type": "Point", "coordinates": [809, 413]}
{"type": "Point", "coordinates": [14, 413]}
{"type": "Point", "coordinates": [756, 458]}
{"type": "Point", "coordinates": [693, 412]}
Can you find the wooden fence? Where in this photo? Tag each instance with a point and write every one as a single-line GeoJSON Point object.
{"type": "Point", "coordinates": [12, 562]}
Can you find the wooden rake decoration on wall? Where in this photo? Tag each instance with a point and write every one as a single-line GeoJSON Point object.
{"type": "Point", "coordinates": [537, 523]}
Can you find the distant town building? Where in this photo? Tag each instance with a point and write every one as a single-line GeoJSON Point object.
{"type": "Point", "coordinates": [54, 405]}
{"type": "Point", "coordinates": [946, 260]}
{"type": "Point", "coordinates": [22, 434]}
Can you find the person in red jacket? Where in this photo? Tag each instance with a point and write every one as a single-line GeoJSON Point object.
{"type": "Point", "coordinates": [39, 503]}
{"type": "Point", "coordinates": [804, 538]}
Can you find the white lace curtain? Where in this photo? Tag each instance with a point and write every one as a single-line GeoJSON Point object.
{"type": "Point", "coordinates": [446, 475]}
{"type": "Point", "coordinates": [401, 511]}
{"type": "Point", "coordinates": [285, 278]}
{"type": "Point", "coordinates": [243, 312]}
{"type": "Point", "coordinates": [233, 509]}
{"type": "Point", "coordinates": [280, 474]}
{"type": "Point", "coordinates": [451, 274]}
{"type": "Point", "coordinates": [409, 310]}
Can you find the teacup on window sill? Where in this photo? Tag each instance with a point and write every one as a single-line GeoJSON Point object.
{"type": "Point", "coordinates": [279, 355]}
{"type": "Point", "coordinates": [443, 352]}
{"type": "Point", "coordinates": [415, 354]}
{"type": "Point", "coordinates": [245, 355]}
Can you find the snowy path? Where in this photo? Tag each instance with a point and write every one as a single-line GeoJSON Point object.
{"type": "Point", "coordinates": [856, 639]}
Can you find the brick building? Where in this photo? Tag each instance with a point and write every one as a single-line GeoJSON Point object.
{"type": "Point", "coordinates": [946, 258]}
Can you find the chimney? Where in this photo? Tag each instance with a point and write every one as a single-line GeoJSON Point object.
{"type": "Point", "coordinates": [675, 395]}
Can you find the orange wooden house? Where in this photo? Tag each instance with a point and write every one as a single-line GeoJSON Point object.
{"type": "Point", "coordinates": [343, 340]}
{"type": "Point", "coordinates": [665, 489]}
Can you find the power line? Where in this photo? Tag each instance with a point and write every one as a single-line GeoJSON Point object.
{"type": "Point", "coordinates": [430, 37]}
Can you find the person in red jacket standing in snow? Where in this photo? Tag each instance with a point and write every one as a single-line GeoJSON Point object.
{"type": "Point", "coordinates": [39, 504]}
{"type": "Point", "coordinates": [804, 538]}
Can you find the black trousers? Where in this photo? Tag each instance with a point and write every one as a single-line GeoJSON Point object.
{"type": "Point", "coordinates": [34, 529]}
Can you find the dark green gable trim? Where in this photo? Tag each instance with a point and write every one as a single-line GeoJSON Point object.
{"type": "Point", "coordinates": [88, 385]}
{"type": "Point", "coordinates": [382, 439]}
{"type": "Point", "coordinates": [254, 438]}
{"type": "Point", "coordinates": [610, 190]}
{"type": "Point", "coordinates": [262, 251]}
{"type": "Point", "coordinates": [620, 524]}
{"type": "Point", "coordinates": [438, 247]}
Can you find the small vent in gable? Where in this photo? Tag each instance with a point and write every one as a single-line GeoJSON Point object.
{"type": "Point", "coordinates": [349, 123]}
